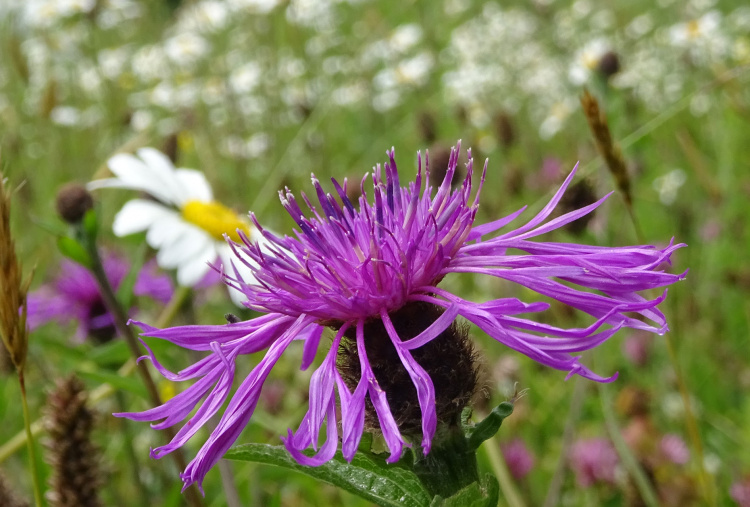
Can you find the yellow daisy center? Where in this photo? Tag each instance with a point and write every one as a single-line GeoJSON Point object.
{"type": "Point", "coordinates": [694, 29]}
{"type": "Point", "coordinates": [215, 218]}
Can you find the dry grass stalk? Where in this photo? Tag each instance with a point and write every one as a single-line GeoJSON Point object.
{"type": "Point", "coordinates": [8, 497]}
{"type": "Point", "coordinates": [607, 148]}
{"type": "Point", "coordinates": [74, 459]}
{"type": "Point", "coordinates": [12, 289]}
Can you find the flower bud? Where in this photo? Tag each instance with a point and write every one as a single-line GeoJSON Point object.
{"type": "Point", "coordinates": [609, 64]}
{"type": "Point", "coordinates": [73, 201]}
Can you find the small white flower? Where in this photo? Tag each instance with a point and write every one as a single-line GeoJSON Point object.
{"type": "Point", "coordinates": [686, 34]}
{"type": "Point", "coordinates": [586, 60]}
{"type": "Point", "coordinates": [668, 185]}
{"type": "Point", "coordinates": [182, 222]}
{"type": "Point", "coordinates": [186, 48]}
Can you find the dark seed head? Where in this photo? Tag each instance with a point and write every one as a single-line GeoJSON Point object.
{"type": "Point", "coordinates": [231, 318]}
{"type": "Point", "coordinates": [609, 64]}
{"type": "Point", "coordinates": [73, 201]}
{"type": "Point", "coordinates": [506, 132]}
{"type": "Point", "coordinates": [579, 195]}
{"type": "Point", "coordinates": [449, 360]}
{"type": "Point", "coordinates": [439, 157]}
{"type": "Point", "coordinates": [427, 127]}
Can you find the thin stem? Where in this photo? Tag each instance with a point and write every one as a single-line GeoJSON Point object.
{"type": "Point", "coordinates": [576, 402]}
{"type": "Point", "coordinates": [30, 441]}
{"type": "Point", "coordinates": [500, 469]}
{"type": "Point", "coordinates": [104, 391]}
{"type": "Point", "coordinates": [121, 324]}
{"type": "Point", "coordinates": [642, 483]}
{"type": "Point", "coordinates": [131, 454]}
{"type": "Point", "coordinates": [692, 426]}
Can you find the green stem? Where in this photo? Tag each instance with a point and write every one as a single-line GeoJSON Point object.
{"type": "Point", "coordinates": [121, 324]}
{"type": "Point", "coordinates": [450, 466]}
{"type": "Point", "coordinates": [500, 468]}
{"type": "Point", "coordinates": [574, 413]}
{"type": "Point", "coordinates": [30, 442]}
{"type": "Point", "coordinates": [104, 391]}
{"type": "Point", "coordinates": [692, 426]}
{"type": "Point", "coordinates": [642, 483]}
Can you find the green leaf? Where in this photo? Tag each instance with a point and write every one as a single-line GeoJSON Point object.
{"type": "Point", "coordinates": [367, 476]}
{"type": "Point", "coordinates": [114, 352]}
{"type": "Point", "coordinates": [473, 495]}
{"type": "Point", "coordinates": [132, 384]}
{"type": "Point", "coordinates": [488, 427]}
{"type": "Point", "coordinates": [74, 250]}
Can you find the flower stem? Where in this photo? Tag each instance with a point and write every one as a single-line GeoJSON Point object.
{"type": "Point", "coordinates": [30, 441]}
{"type": "Point", "coordinates": [642, 482]}
{"type": "Point", "coordinates": [509, 491]}
{"type": "Point", "coordinates": [104, 391]}
{"type": "Point", "coordinates": [121, 324]}
{"type": "Point", "coordinates": [692, 426]}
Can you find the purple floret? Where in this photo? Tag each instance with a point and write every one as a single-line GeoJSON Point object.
{"type": "Point", "coordinates": [347, 264]}
{"type": "Point", "coordinates": [75, 296]}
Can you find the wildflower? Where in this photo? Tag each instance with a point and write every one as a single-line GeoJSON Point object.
{"type": "Point", "coordinates": [740, 492]}
{"type": "Point", "coordinates": [674, 449]}
{"type": "Point", "coordinates": [519, 459]}
{"type": "Point", "coordinates": [75, 296]}
{"type": "Point", "coordinates": [184, 224]}
{"type": "Point", "coordinates": [371, 274]}
{"type": "Point", "coordinates": [593, 460]}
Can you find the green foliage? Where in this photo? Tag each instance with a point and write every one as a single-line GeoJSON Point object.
{"type": "Point", "coordinates": [367, 475]}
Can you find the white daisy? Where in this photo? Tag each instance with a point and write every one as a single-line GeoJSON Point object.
{"type": "Point", "coordinates": [182, 222]}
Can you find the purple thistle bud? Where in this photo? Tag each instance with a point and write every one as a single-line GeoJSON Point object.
{"type": "Point", "coordinates": [355, 270]}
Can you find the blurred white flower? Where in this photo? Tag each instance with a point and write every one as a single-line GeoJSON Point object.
{"type": "Point", "coordinates": [243, 79]}
{"type": "Point", "coordinates": [683, 34]}
{"type": "Point", "coordinates": [186, 48]}
{"type": "Point", "coordinates": [668, 185]}
{"type": "Point", "coordinates": [405, 37]}
{"type": "Point", "coordinates": [586, 60]}
{"type": "Point", "coordinates": [182, 221]}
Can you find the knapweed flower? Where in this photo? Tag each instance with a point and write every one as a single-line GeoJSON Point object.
{"type": "Point", "coordinates": [371, 274]}
{"type": "Point", "coordinates": [75, 296]}
{"type": "Point", "coordinates": [182, 221]}
{"type": "Point", "coordinates": [519, 459]}
{"type": "Point", "coordinates": [674, 449]}
{"type": "Point", "coordinates": [594, 460]}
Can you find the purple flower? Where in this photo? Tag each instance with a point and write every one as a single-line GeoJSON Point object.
{"type": "Point", "coordinates": [75, 296]}
{"type": "Point", "coordinates": [592, 461]}
{"type": "Point", "coordinates": [674, 449]}
{"type": "Point", "coordinates": [519, 459]}
{"type": "Point", "coordinates": [740, 492]}
{"type": "Point", "coordinates": [354, 268]}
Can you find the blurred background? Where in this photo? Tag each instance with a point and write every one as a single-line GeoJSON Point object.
{"type": "Point", "coordinates": [259, 94]}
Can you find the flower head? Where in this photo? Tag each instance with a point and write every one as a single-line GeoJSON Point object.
{"type": "Point", "coordinates": [519, 459]}
{"type": "Point", "coordinates": [371, 273]}
{"type": "Point", "coordinates": [594, 460]}
{"type": "Point", "coordinates": [75, 296]}
{"type": "Point", "coordinates": [183, 222]}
